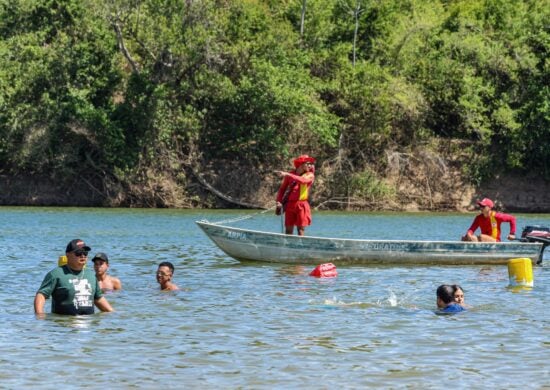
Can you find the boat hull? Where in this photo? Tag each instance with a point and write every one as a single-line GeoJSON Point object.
{"type": "Point", "coordinates": [251, 245]}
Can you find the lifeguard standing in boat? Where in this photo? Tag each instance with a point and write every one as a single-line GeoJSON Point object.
{"type": "Point", "coordinates": [293, 195]}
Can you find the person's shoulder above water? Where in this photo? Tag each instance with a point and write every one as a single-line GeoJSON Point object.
{"type": "Point", "coordinates": [101, 266]}
{"type": "Point", "coordinates": [445, 300]}
{"type": "Point", "coordinates": [165, 272]}
{"type": "Point", "coordinates": [452, 308]}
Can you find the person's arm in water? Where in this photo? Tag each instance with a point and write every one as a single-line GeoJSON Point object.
{"type": "Point", "coordinates": [39, 302]}
{"type": "Point", "coordinates": [103, 305]}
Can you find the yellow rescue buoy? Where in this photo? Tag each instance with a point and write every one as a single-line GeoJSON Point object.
{"type": "Point", "coordinates": [62, 261]}
{"type": "Point", "coordinates": [520, 272]}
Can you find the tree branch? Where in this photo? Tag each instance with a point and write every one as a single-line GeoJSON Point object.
{"type": "Point", "coordinates": [122, 46]}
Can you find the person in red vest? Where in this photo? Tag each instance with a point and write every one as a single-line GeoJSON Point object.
{"type": "Point", "coordinates": [293, 194]}
{"type": "Point", "coordinates": [489, 221]}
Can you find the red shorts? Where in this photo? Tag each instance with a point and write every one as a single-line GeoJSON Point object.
{"type": "Point", "coordinates": [298, 214]}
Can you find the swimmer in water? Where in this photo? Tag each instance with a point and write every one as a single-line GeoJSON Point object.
{"type": "Point", "coordinates": [458, 294]}
{"type": "Point", "coordinates": [165, 272]}
{"type": "Point", "coordinates": [106, 282]}
{"type": "Point", "coordinates": [445, 300]}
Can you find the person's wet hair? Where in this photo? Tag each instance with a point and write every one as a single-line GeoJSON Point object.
{"type": "Point", "coordinates": [446, 293]}
{"type": "Point", "coordinates": [457, 287]}
{"type": "Point", "coordinates": [167, 264]}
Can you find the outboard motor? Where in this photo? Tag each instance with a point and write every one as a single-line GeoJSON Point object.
{"type": "Point", "coordinates": [535, 232]}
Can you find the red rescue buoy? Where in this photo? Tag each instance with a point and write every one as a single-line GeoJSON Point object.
{"type": "Point", "coordinates": [327, 270]}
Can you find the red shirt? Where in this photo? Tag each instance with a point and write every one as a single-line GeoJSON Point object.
{"type": "Point", "coordinates": [300, 186]}
{"type": "Point", "coordinates": [484, 223]}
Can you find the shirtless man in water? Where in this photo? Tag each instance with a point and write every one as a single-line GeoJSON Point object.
{"type": "Point", "coordinates": [165, 272]}
{"type": "Point", "coordinates": [106, 282]}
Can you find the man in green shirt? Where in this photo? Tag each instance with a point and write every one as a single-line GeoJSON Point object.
{"type": "Point", "coordinates": [74, 289]}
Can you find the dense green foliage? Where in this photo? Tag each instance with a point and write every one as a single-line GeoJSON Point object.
{"type": "Point", "coordinates": [124, 87]}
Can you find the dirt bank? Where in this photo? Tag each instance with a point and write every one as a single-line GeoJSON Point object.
{"type": "Point", "coordinates": [430, 188]}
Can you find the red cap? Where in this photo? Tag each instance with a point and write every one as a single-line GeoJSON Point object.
{"type": "Point", "coordinates": [486, 202]}
{"type": "Point", "coordinates": [304, 158]}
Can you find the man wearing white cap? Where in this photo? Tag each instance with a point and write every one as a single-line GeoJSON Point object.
{"type": "Point", "coordinates": [489, 221]}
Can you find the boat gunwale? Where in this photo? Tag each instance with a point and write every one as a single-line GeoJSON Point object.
{"type": "Point", "coordinates": [289, 236]}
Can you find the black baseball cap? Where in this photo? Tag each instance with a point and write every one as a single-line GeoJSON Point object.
{"type": "Point", "coordinates": [77, 244]}
{"type": "Point", "coordinates": [101, 256]}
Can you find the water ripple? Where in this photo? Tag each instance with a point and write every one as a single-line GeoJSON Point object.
{"type": "Point", "coordinates": [262, 326]}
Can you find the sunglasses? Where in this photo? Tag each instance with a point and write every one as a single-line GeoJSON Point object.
{"type": "Point", "coordinates": [162, 274]}
{"type": "Point", "coordinates": [80, 253]}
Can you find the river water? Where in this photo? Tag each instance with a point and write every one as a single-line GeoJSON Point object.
{"type": "Point", "coordinates": [263, 326]}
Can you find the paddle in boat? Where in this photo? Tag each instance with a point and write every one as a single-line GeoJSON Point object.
{"type": "Point", "coordinates": [252, 245]}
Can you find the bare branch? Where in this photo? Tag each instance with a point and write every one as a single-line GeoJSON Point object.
{"type": "Point", "coordinates": [223, 196]}
{"type": "Point", "coordinates": [303, 17]}
{"type": "Point", "coordinates": [122, 46]}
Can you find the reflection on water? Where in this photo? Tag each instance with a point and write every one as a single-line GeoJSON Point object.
{"type": "Point", "coordinates": [76, 322]}
{"type": "Point", "coordinates": [258, 325]}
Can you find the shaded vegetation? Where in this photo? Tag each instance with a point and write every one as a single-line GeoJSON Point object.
{"type": "Point", "coordinates": [141, 97]}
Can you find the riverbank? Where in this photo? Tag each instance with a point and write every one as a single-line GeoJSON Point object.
{"type": "Point", "coordinates": [229, 188]}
